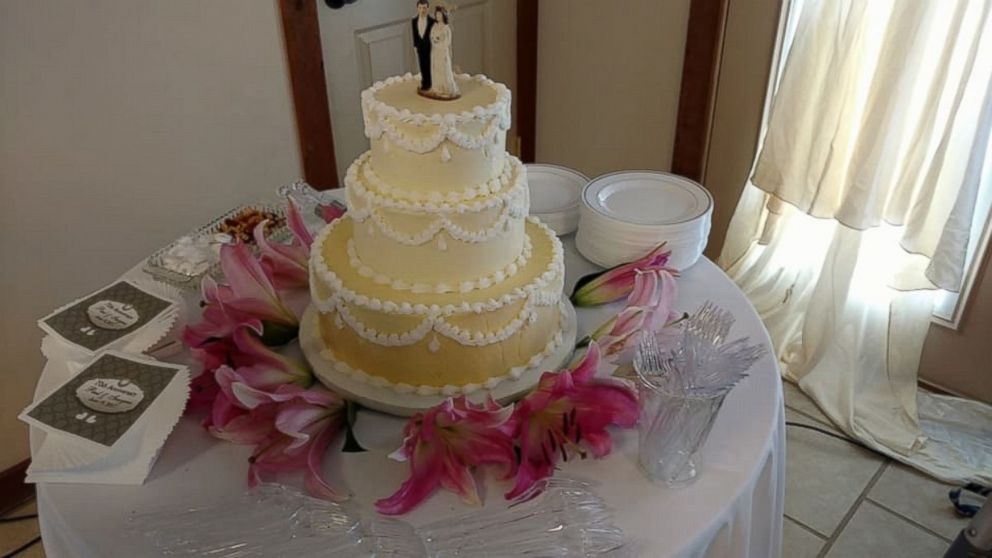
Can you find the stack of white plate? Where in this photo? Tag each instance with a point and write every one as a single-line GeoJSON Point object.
{"type": "Point", "coordinates": [554, 196]}
{"type": "Point", "coordinates": [624, 215]}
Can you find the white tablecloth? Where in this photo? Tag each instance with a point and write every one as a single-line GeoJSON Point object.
{"type": "Point", "coordinates": [733, 510]}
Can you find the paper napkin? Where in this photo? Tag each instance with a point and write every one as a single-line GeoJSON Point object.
{"type": "Point", "coordinates": [129, 315]}
{"type": "Point", "coordinates": [107, 422]}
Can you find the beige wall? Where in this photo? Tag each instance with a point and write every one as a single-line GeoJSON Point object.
{"type": "Point", "coordinates": [958, 361]}
{"type": "Point", "coordinates": [608, 90]}
{"type": "Point", "coordinates": [123, 124]}
{"type": "Point", "coordinates": [608, 83]}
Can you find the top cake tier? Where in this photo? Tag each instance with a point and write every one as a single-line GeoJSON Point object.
{"type": "Point", "coordinates": [423, 146]}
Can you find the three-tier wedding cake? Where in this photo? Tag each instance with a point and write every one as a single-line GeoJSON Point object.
{"type": "Point", "coordinates": [436, 282]}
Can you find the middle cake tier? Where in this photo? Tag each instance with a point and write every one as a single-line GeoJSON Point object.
{"type": "Point", "coordinates": [463, 241]}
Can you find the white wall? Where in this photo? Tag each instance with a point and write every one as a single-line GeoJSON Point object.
{"type": "Point", "coordinates": [123, 123]}
{"type": "Point", "coordinates": [608, 82]}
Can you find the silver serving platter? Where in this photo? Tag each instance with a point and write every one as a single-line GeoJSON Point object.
{"type": "Point", "coordinates": [157, 268]}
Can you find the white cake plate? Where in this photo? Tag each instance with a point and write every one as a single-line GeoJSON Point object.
{"type": "Point", "coordinates": [387, 400]}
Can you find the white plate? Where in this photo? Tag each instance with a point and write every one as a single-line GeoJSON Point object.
{"type": "Point", "coordinates": [555, 192]}
{"type": "Point", "coordinates": [608, 233]}
{"type": "Point", "coordinates": [685, 252]}
{"type": "Point", "coordinates": [646, 198]}
{"type": "Point", "coordinates": [625, 215]}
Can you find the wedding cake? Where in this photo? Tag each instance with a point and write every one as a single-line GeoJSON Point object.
{"type": "Point", "coordinates": [436, 282]}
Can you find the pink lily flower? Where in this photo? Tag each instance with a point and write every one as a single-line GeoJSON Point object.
{"type": "Point", "coordinates": [249, 299]}
{"type": "Point", "coordinates": [250, 293]}
{"type": "Point", "coordinates": [265, 368]}
{"type": "Point", "coordinates": [210, 339]}
{"type": "Point", "coordinates": [294, 220]}
{"type": "Point", "coordinates": [442, 444]}
{"type": "Point", "coordinates": [331, 211]}
{"type": "Point", "coordinates": [567, 415]}
{"type": "Point", "coordinates": [305, 424]}
{"type": "Point", "coordinates": [231, 392]}
{"type": "Point", "coordinates": [203, 389]}
{"type": "Point", "coordinates": [263, 372]}
{"type": "Point", "coordinates": [228, 333]}
{"type": "Point", "coordinates": [287, 263]}
{"type": "Point", "coordinates": [232, 420]}
{"type": "Point", "coordinates": [617, 282]}
{"type": "Point", "coordinates": [649, 308]}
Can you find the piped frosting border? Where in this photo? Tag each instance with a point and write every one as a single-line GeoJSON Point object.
{"type": "Point", "coordinates": [365, 203]}
{"type": "Point", "coordinates": [434, 321]}
{"type": "Point", "coordinates": [381, 118]}
{"type": "Point", "coordinates": [483, 282]}
{"type": "Point", "coordinates": [488, 188]}
{"type": "Point", "coordinates": [451, 390]}
{"type": "Point", "coordinates": [331, 281]}
{"type": "Point", "coordinates": [366, 184]}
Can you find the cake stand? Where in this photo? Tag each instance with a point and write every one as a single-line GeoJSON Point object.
{"type": "Point", "coordinates": [388, 400]}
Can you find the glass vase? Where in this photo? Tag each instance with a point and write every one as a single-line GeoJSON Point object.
{"type": "Point", "coordinates": [674, 425]}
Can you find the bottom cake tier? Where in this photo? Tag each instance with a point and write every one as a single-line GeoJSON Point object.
{"type": "Point", "coordinates": [405, 401]}
{"type": "Point", "coordinates": [437, 343]}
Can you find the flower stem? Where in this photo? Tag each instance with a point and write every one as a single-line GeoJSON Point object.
{"type": "Point", "coordinates": [351, 443]}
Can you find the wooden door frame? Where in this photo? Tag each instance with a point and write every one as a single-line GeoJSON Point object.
{"type": "Point", "coordinates": [526, 94]}
{"type": "Point", "coordinates": [301, 33]}
{"type": "Point", "coordinates": [697, 98]}
{"type": "Point", "coordinates": [14, 491]}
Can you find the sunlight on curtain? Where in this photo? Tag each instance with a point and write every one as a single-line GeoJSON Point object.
{"type": "Point", "coordinates": [861, 206]}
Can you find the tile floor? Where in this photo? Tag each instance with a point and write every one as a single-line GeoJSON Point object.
{"type": "Point", "coordinates": [15, 534]}
{"type": "Point", "coordinates": [841, 501]}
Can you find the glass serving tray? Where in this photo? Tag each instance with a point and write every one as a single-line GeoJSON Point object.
{"type": "Point", "coordinates": [310, 202]}
{"type": "Point", "coordinates": [157, 267]}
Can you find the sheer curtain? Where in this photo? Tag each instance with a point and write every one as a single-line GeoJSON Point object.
{"type": "Point", "coordinates": [860, 207]}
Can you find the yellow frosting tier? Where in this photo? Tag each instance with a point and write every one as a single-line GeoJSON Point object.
{"type": "Point", "coordinates": [451, 363]}
{"type": "Point", "coordinates": [401, 93]}
{"type": "Point", "coordinates": [437, 245]}
{"type": "Point", "coordinates": [424, 145]}
{"type": "Point", "coordinates": [437, 339]}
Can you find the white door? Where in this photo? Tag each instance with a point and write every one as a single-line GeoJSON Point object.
{"type": "Point", "coordinates": [370, 40]}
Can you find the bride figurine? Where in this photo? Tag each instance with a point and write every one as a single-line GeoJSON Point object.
{"type": "Point", "coordinates": [443, 84]}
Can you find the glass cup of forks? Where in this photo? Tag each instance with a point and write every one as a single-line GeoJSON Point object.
{"type": "Point", "coordinates": [682, 388]}
{"type": "Point", "coordinates": [673, 426]}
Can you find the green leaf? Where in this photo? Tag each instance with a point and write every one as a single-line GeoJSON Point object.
{"type": "Point", "coordinates": [276, 335]}
{"type": "Point", "coordinates": [585, 279]}
{"type": "Point", "coordinates": [351, 443]}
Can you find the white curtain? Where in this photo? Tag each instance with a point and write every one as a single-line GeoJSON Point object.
{"type": "Point", "coordinates": [861, 205]}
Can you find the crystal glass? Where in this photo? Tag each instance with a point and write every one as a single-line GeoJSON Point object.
{"type": "Point", "coordinates": [673, 426]}
{"type": "Point", "coordinates": [157, 264]}
{"type": "Point", "coordinates": [309, 201]}
{"type": "Point", "coordinates": [274, 520]}
{"type": "Point", "coordinates": [559, 517]}
{"type": "Point", "coordinates": [682, 386]}
{"type": "Point", "coordinates": [565, 519]}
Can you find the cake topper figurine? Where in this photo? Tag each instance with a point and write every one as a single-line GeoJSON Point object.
{"type": "Point", "coordinates": [432, 43]}
{"type": "Point", "coordinates": [422, 26]}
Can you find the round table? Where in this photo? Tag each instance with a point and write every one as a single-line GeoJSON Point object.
{"type": "Point", "coordinates": [734, 509]}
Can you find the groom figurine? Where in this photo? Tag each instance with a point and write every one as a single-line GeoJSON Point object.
{"type": "Point", "coordinates": [422, 25]}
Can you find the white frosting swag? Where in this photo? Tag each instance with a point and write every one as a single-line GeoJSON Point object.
{"type": "Point", "coordinates": [433, 129]}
